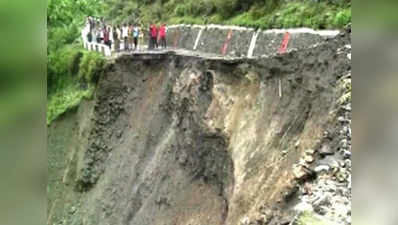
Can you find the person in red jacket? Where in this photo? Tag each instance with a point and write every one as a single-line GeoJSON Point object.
{"type": "Point", "coordinates": [154, 35]}
{"type": "Point", "coordinates": [107, 32]}
{"type": "Point", "coordinates": [162, 36]}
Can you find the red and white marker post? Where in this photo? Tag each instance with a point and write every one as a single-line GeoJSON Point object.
{"type": "Point", "coordinates": [225, 46]}
{"type": "Point", "coordinates": [285, 43]}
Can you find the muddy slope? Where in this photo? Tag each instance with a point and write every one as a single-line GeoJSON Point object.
{"type": "Point", "coordinates": [175, 140]}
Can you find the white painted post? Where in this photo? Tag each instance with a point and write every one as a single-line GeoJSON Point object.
{"type": "Point", "coordinates": [252, 44]}
{"type": "Point", "coordinates": [280, 88]}
{"type": "Point", "coordinates": [197, 39]}
{"type": "Point", "coordinates": [108, 51]}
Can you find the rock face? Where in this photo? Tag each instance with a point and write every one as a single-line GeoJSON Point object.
{"type": "Point", "coordinates": [171, 139]}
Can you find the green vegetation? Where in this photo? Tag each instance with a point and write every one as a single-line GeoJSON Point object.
{"type": "Point", "coordinates": [263, 14]}
{"type": "Point", "coordinates": [65, 99]}
{"type": "Point", "coordinates": [71, 77]}
{"type": "Point", "coordinates": [78, 70]}
{"type": "Point", "coordinates": [71, 71]}
{"type": "Point", "coordinates": [90, 66]}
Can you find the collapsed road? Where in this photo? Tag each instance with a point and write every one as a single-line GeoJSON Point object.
{"type": "Point", "coordinates": [185, 137]}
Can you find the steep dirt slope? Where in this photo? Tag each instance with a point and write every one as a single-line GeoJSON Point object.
{"type": "Point", "coordinates": [176, 140]}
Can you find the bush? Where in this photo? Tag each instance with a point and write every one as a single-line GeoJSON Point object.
{"type": "Point", "coordinates": [61, 65]}
{"type": "Point", "coordinates": [67, 98]}
{"type": "Point", "coordinates": [92, 63]}
{"type": "Point", "coordinates": [246, 20]}
{"type": "Point", "coordinates": [342, 18]}
{"type": "Point", "coordinates": [180, 10]}
{"type": "Point", "coordinates": [317, 16]}
{"type": "Point", "coordinates": [67, 59]}
{"type": "Point", "coordinates": [66, 92]}
{"type": "Point", "coordinates": [226, 8]}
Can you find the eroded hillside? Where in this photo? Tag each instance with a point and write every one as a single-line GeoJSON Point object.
{"type": "Point", "coordinates": [175, 139]}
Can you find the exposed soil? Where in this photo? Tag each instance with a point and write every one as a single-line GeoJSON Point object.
{"type": "Point", "coordinates": [176, 139]}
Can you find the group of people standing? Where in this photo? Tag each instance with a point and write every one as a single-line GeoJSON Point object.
{"type": "Point", "coordinates": [128, 34]}
{"type": "Point", "coordinates": [124, 37]}
{"type": "Point", "coordinates": [157, 36]}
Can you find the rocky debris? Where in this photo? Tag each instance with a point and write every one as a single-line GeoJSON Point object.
{"type": "Point", "coordinates": [107, 109]}
{"type": "Point", "coordinates": [309, 159]}
{"type": "Point", "coordinates": [297, 144]}
{"type": "Point", "coordinates": [321, 190]}
{"type": "Point", "coordinates": [72, 210]}
{"type": "Point", "coordinates": [70, 213]}
{"type": "Point", "coordinates": [322, 168]}
{"type": "Point", "coordinates": [329, 194]}
{"type": "Point", "coordinates": [309, 218]}
{"type": "Point", "coordinates": [310, 151]}
{"type": "Point", "coordinates": [162, 201]}
{"type": "Point", "coordinates": [201, 151]}
{"type": "Point", "coordinates": [265, 215]}
{"type": "Point", "coordinates": [326, 150]}
{"type": "Point", "coordinates": [303, 169]}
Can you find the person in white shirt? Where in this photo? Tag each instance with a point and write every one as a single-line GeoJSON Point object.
{"type": "Point", "coordinates": [101, 34]}
{"type": "Point", "coordinates": [118, 37]}
{"type": "Point", "coordinates": [136, 34]}
{"type": "Point", "coordinates": [96, 35]}
{"type": "Point", "coordinates": [85, 32]}
{"type": "Point", "coordinates": [111, 37]}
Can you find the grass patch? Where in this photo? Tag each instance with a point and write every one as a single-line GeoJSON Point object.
{"type": "Point", "coordinates": [250, 13]}
{"type": "Point", "coordinates": [264, 15]}
{"type": "Point", "coordinates": [66, 99]}
{"type": "Point", "coordinates": [246, 20]}
{"type": "Point", "coordinates": [295, 14]}
{"type": "Point", "coordinates": [290, 15]}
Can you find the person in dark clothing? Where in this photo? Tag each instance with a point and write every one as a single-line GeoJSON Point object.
{"type": "Point", "coordinates": [156, 36]}
{"type": "Point", "coordinates": [150, 44]}
{"type": "Point", "coordinates": [107, 40]}
{"type": "Point", "coordinates": [102, 33]}
{"type": "Point", "coordinates": [89, 37]}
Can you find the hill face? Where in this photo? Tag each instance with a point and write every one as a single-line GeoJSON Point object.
{"type": "Point", "coordinates": [322, 14]}
{"type": "Point", "coordinates": [177, 139]}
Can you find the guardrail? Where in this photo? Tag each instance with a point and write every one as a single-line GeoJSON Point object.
{"type": "Point", "coordinates": [233, 40]}
{"type": "Point", "coordinates": [93, 46]}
